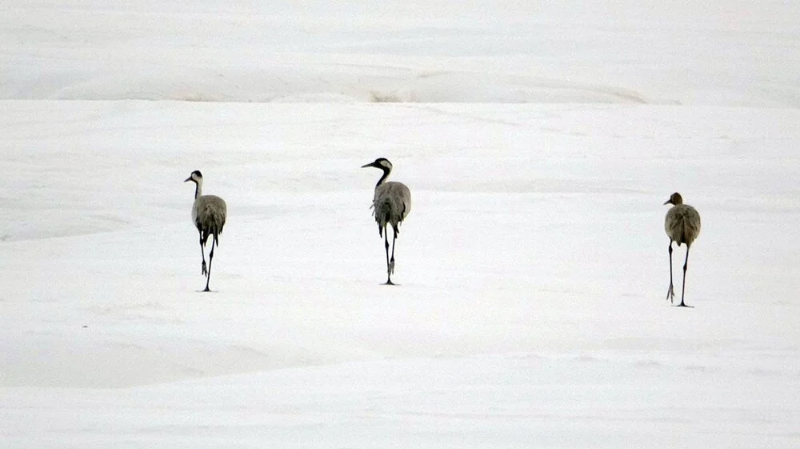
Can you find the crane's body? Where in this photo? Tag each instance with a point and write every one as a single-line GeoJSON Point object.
{"type": "Point", "coordinates": [209, 213]}
{"type": "Point", "coordinates": [682, 225]}
{"type": "Point", "coordinates": [391, 205]}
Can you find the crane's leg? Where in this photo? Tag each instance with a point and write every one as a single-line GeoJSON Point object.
{"type": "Point", "coordinates": [203, 255]}
{"type": "Point", "coordinates": [388, 266]}
{"type": "Point", "coordinates": [671, 291]}
{"type": "Point", "coordinates": [394, 245]}
{"type": "Point", "coordinates": [210, 259]}
{"type": "Point", "coordinates": [685, 265]}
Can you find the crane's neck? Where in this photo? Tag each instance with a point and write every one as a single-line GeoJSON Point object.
{"type": "Point", "coordinates": [198, 189]}
{"type": "Point", "coordinates": [386, 172]}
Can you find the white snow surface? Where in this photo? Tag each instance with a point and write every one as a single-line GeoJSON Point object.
{"type": "Point", "coordinates": [539, 140]}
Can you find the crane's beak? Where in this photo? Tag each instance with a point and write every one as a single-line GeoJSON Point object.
{"type": "Point", "coordinates": [669, 201]}
{"type": "Point", "coordinates": [371, 164]}
{"type": "Point", "coordinates": [188, 179]}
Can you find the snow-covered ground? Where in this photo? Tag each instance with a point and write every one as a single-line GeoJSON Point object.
{"type": "Point", "coordinates": [539, 142]}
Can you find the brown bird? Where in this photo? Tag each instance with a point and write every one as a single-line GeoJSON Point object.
{"type": "Point", "coordinates": [391, 204]}
{"type": "Point", "coordinates": [208, 215]}
{"type": "Point", "coordinates": [683, 226]}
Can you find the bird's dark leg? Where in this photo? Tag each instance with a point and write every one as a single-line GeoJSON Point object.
{"type": "Point", "coordinates": [210, 259]}
{"type": "Point", "coordinates": [683, 288]}
{"type": "Point", "coordinates": [394, 245]}
{"type": "Point", "coordinates": [203, 255]}
{"type": "Point", "coordinates": [388, 266]}
{"type": "Point", "coordinates": [671, 291]}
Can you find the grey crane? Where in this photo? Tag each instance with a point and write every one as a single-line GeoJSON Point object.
{"type": "Point", "coordinates": [682, 224]}
{"type": "Point", "coordinates": [208, 214]}
{"type": "Point", "coordinates": [391, 205]}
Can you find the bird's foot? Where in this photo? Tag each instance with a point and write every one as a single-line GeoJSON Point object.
{"type": "Point", "coordinates": [684, 305]}
{"type": "Point", "coordinates": [389, 282]}
{"type": "Point", "coordinates": [203, 271]}
{"type": "Point", "coordinates": [671, 294]}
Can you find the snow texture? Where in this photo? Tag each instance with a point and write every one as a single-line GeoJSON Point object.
{"type": "Point", "coordinates": [539, 141]}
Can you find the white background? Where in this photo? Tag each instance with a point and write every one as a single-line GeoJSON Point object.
{"type": "Point", "coordinates": [539, 141]}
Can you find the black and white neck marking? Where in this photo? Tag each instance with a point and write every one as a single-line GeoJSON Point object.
{"type": "Point", "coordinates": [386, 172]}
{"type": "Point", "coordinates": [197, 178]}
{"type": "Point", "coordinates": [384, 165]}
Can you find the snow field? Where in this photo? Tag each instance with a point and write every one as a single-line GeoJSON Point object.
{"type": "Point", "coordinates": [539, 142]}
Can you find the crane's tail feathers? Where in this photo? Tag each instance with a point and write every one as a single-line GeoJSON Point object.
{"type": "Point", "coordinates": [211, 232]}
{"type": "Point", "coordinates": [216, 236]}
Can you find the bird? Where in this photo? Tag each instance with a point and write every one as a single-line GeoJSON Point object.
{"type": "Point", "coordinates": [682, 225]}
{"type": "Point", "coordinates": [391, 205]}
{"type": "Point", "coordinates": [208, 215]}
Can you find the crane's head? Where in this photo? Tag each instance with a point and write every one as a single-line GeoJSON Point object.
{"type": "Point", "coordinates": [381, 163]}
{"type": "Point", "coordinates": [675, 199]}
{"type": "Point", "coordinates": [196, 177]}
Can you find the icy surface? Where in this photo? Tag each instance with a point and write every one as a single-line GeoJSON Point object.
{"type": "Point", "coordinates": [539, 142]}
